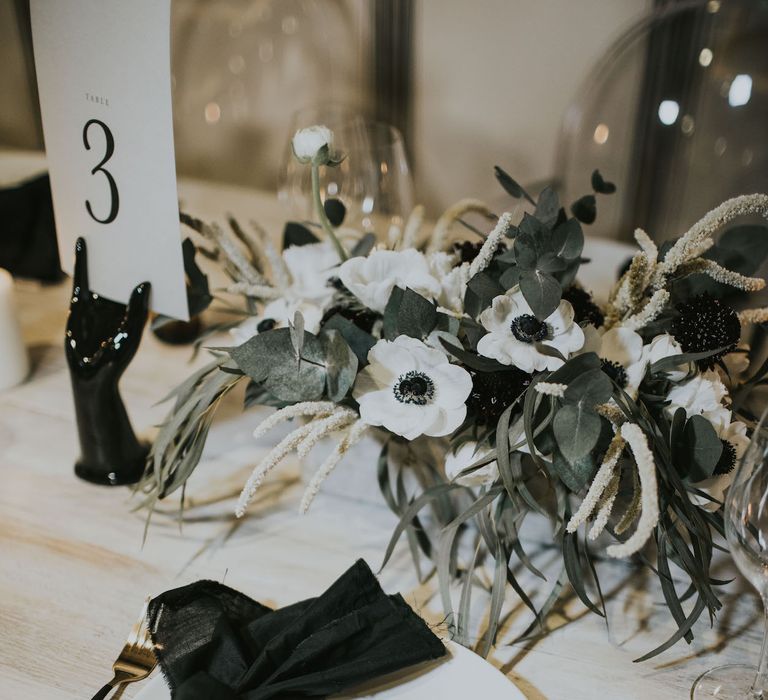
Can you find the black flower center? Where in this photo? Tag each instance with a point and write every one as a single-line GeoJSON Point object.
{"type": "Point", "coordinates": [704, 324]}
{"type": "Point", "coordinates": [615, 371]}
{"type": "Point", "coordinates": [415, 388]}
{"type": "Point", "coordinates": [727, 460]}
{"type": "Point", "coordinates": [528, 329]}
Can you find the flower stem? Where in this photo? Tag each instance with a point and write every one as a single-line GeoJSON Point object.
{"type": "Point", "coordinates": [321, 213]}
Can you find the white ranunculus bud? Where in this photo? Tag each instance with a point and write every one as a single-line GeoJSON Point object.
{"type": "Point", "coordinates": [308, 143]}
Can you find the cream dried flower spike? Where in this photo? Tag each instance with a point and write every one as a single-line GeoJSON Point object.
{"type": "Point", "coordinates": [641, 293]}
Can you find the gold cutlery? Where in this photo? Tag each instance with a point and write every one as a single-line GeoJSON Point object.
{"type": "Point", "coordinates": [136, 660]}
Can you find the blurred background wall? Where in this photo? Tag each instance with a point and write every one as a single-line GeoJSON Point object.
{"type": "Point", "coordinates": [493, 81]}
{"type": "Point", "coordinates": [490, 85]}
{"type": "Point", "coordinates": [19, 120]}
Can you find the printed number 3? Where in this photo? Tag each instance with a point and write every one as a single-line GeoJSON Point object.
{"type": "Point", "coordinates": [109, 150]}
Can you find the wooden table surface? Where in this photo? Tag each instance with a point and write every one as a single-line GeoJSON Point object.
{"type": "Point", "coordinates": [74, 572]}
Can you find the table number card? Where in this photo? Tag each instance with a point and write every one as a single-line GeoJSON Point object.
{"type": "Point", "coordinates": [103, 73]}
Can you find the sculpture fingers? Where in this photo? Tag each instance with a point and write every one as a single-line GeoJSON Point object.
{"type": "Point", "coordinates": [80, 276]}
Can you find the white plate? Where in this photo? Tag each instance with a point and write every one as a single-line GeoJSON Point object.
{"type": "Point", "coordinates": [462, 675]}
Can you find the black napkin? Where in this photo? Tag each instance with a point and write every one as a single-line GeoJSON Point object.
{"type": "Point", "coordinates": [27, 231]}
{"type": "Point", "coordinates": [217, 644]}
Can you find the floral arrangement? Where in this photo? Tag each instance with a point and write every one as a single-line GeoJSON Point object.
{"type": "Point", "coordinates": [623, 420]}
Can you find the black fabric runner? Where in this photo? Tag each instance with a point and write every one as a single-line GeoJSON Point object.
{"type": "Point", "coordinates": [217, 644]}
{"type": "Point", "coordinates": [27, 231]}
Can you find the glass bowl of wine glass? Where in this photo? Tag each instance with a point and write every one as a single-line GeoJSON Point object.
{"type": "Point", "coordinates": [746, 529]}
{"type": "Point", "coordinates": [373, 182]}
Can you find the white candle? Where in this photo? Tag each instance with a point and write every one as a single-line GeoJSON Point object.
{"type": "Point", "coordinates": [14, 362]}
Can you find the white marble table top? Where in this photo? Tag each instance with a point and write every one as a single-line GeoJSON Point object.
{"type": "Point", "coordinates": [74, 571]}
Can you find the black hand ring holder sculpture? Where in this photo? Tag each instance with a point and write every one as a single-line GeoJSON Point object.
{"type": "Point", "coordinates": [101, 339]}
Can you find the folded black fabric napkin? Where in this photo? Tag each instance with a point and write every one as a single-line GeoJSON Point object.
{"type": "Point", "coordinates": [214, 643]}
{"type": "Point", "coordinates": [27, 231]}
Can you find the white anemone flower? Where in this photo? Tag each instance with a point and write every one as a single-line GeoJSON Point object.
{"type": "Point", "coordinates": [467, 454]}
{"type": "Point", "coordinates": [411, 389]}
{"type": "Point", "coordinates": [310, 268]}
{"type": "Point", "coordinates": [703, 394]}
{"type": "Point", "coordinates": [621, 352]}
{"type": "Point", "coordinates": [661, 347]}
{"type": "Point", "coordinates": [307, 142]}
{"type": "Point", "coordinates": [435, 338]}
{"type": "Point", "coordinates": [453, 280]}
{"type": "Point", "coordinates": [735, 443]}
{"type": "Point", "coordinates": [246, 330]}
{"type": "Point", "coordinates": [372, 279]}
{"type": "Point", "coordinates": [736, 364]}
{"type": "Point", "coordinates": [283, 311]}
{"type": "Point", "coordinates": [514, 331]}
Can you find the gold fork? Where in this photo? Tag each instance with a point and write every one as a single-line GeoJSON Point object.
{"type": "Point", "coordinates": [136, 660]}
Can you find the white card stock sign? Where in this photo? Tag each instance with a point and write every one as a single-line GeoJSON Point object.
{"type": "Point", "coordinates": [104, 78]}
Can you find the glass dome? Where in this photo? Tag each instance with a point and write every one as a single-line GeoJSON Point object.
{"type": "Point", "coordinates": [675, 114]}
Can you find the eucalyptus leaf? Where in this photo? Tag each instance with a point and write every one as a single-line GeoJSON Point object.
{"type": "Point", "coordinates": [508, 256]}
{"type": "Point", "coordinates": [390, 323]}
{"type": "Point", "coordinates": [577, 428]}
{"type": "Point", "coordinates": [578, 474]}
{"type": "Point", "coordinates": [269, 358]}
{"type": "Point", "coordinates": [533, 227]}
{"type": "Point", "coordinates": [601, 185]}
{"type": "Point", "coordinates": [542, 292]}
{"type": "Point", "coordinates": [548, 207]}
{"type": "Point", "coordinates": [585, 209]}
{"type": "Point", "coordinates": [568, 239]}
{"type": "Point", "coordinates": [526, 251]}
{"type": "Point", "coordinates": [510, 277]}
{"type": "Point", "coordinates": [482, 289]}
{"type": "Point", "coordinates": [256, 395]}
{"type": "Point", "coordinates": [574, 475]}
{"type": "Point", "coordinates": [448, 324]}
{"type": "Point", "coordinates": [340, 364]}
{"type": "Point", "coordinates": [297, 335]}
{"type": "Point", "coordinates": [357, 339]}
{"type": "Point", "coordinates": [590, 388]}
{"type": "Point", "coordinates": [551, 262]}
{"type": "Point", "coordinates": [575, 367]}
{"type": "Point", "coordinates": [511, 187]}
{"type": "Point", "coordinates": [408, 313]}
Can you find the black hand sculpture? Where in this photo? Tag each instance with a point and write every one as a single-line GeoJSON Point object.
{"type": "Point", "coordinates": [102, 338]}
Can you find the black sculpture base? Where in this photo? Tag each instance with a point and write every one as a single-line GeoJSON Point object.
{"type": "Point", "coordinates": [123, 475]}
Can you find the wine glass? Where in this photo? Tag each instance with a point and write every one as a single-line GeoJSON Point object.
{"type": "Point", "coordinates": [373, 181]}
{"type": "Point", "coordinates": [746, 528]}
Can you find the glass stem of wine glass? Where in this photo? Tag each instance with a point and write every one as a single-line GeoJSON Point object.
{"type": "Point", "coordinates": [321, 213]}
{"type": "Point", "coordinates": [760, 685]}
